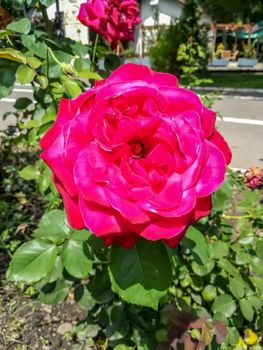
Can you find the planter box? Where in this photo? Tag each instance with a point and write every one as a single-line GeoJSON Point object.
{"type": "Point", "coordinates": [219, 62]}
{"type": "Point", "coordinates": [247, 62]}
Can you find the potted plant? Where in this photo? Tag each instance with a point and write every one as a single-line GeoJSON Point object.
{"type": "Point", "coordinates": [247, 56]}
{"type": "Point", "coordinates": [218, 60]}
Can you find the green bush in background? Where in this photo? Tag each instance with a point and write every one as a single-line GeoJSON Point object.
{"type": "Point", "coordinates": [215, 300]}
{"type": "Point", "coordinates": [166, 55]}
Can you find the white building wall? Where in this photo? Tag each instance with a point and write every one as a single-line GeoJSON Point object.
{"type": "Point", "coordinates": [167, 9]}
{"type": "Point", "coordinates": [74, 29]}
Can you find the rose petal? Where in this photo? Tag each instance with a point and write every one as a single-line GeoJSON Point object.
{"type": "Point", "coordinates": [53, 156]}
{"type": "Point", "coordinates": [71, 205]}
{"type": "Point", "coordinates": [135, 72]}
{"type": "Point", "coordinates": [208, 122]}
{"type": "Point", "coordinates": [127, 209]}
{"type": "Point", "coordinates": [164, 229]}
{"type": "Point", "coordinates": [218, 140]}
{"type": "Point", "coordinates": [213, 172]}
{"type": "Point", "coordinates": [202, 208]}
{"type": "Point", "coordinates": [101, 221]}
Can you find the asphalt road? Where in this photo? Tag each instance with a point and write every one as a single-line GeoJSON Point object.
{"type": "Point", "coordinates": [242, 124]}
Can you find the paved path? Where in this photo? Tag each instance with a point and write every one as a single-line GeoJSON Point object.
{"type": "Point", "coordinates": [242, 124]}
{"type": "Point", "coordinates": [242, 127]}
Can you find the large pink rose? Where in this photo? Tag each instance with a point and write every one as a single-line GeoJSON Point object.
{"type": "Point", "coordinates": [136, 156]}
{"type": "Point", "coordinates": [113, 19]}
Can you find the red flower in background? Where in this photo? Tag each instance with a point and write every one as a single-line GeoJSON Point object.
{"type": "Point", "coordinates": [113, 19]}
{"type": "Point", "coordinates": [136, 156]}
{"type": "Point", "coordinates": [254, 177]}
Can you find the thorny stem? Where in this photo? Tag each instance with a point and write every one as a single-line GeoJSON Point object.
{"type": "Point", "coordinates": [53, 56]}
{"type": "Point", "coordinates": [94, 53]}
{"type": "Point", "coordinates": [48, 23]}
{"type": "Point", "coordinates": [236, 217]}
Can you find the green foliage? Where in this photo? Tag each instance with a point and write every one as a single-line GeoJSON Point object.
{"type": "Point", "coordinates": [225, 11]}
{"type": "Point", "coordinates": [32, 261]}
{"type": "Point", "coordinates": [149, 274]}
{"type": "Point", "coordinates": [22, 26]}
{"type": "Point", "coordinates": [182, 47]}
{"type": "Point", "coordinates": [210, 285]}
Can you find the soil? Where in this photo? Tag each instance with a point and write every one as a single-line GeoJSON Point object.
{"type": "Point", "coordinates": [26, 324]}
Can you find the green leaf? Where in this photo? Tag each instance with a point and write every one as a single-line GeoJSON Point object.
{"type": "Point", "coordinates": [117, 328]}
{"type": "Point", "coordinates": [43, 183]}
{"type": "Point", "coordinates": [232, 336]}
{"type": "Point", "coordinates": [209, 292]}
{"type": "Point", "coordinates": [80, 50]}
{"type": "Point", "coordinates": [13, 55]}
{"type": "Point", "coordinates": [236, 287]}
{"type": "Point", "coordinates": [100, 287]}
{"type": "Point", "coordinates": [57, 294]}
{"type": "Point", "coordinates": [4, 33]}
{"type": "Point", "coordinates": [34, 62]}
{"type": "Point", "coordinates": [123, 347]}
{"type": "Point", "coordinates": [247, 309]}
{"type": "Point", "coordinates": [53, 226]}
{"type": "Point", "coordinates": [228, 267]}
{"type": "Point", "coordinates": [37, 48]}
{"type": "Point", "coordinates": [203, 270]}
{"type": "Point", "coordinates": [72, 88]}
{"type": "Point", "coordinates": [55, 273]}
{"type": "Point", "coordinates": [84, 298]}
{"type": "Point", "coordinates": [29, 172]}
{"type": "Point", "coordinates": [255, 302]}
{"type": "Point", "coordinates": [196, 242]}
{"type": "Point", "coordinates": [218, 316]}
{"type": "Point", "coordinates": [220, 197]}
{"type": "Point", "coordinates": [111, 62]}
{"type": "Point", "coordinates": [259, 248]}
{"type": "Point", "coordinates": [7, 77]}
{"type": "Point", "coordinates": [242, 258]}
{"type": "Point", "coordinates": [225, 305]}
{"type": "Point", "coordinates": [76, 258]}
{"type": "Point", "coordinates": [218, 249]}
{"type": "Point", "coordinates": [140, 275]}
{"type": "Point", "coordinates": [22, 26]}
{"type": "Point", "coordinates": [86, 73]}
{"type": "Point", "coordinates": [82, 64]}
{"type": "Point", "coordinates": [25, 74]}
{"type": "Point", "coordinates": [81, 235]}
{"type": "Point", "coordinates": [47, 3]}
{"type": "Point", "coordinates": [257, 281]}
{"type": "Point", "coordinates": [22, 103]}
{"type": "Point", "coordinates": [33, 261]}
{"type": "Point", "coordinates": [43, 81]}
{"type": "Point", "coordinates": [257, 265]}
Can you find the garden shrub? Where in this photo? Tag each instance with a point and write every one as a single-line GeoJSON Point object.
{"type": "Point", "coordinates": [215, 298]}
{"type": "Point", "coordinates": [165, 54]}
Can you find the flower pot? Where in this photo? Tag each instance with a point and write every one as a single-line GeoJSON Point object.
{"type": "Point", "coordinates": [219, 62]}
{"type": "Point", "coordinates": [247, 62]}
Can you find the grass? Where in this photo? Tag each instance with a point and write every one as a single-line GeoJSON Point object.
{"type": "Point", "coordinates": [236, 80]}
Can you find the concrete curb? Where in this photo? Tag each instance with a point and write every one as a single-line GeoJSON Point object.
{"type": "Point", "coordinates": [234, 90]}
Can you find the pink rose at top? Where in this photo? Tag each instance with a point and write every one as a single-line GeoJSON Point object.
{"type": "Point", "coordinates": [113, 19]}
{"type": "Point", "coordinates": [254, 178]}
{"type": "Point", "coordinates": [136, 156]}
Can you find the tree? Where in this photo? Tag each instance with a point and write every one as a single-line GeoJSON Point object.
{"type": "Point", "coordinates": [188, 30]}
{"type": "Point", "coordinates": [235, 10]}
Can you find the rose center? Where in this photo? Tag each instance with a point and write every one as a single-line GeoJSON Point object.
{"type": "Point", "coordinates": [137, 149]}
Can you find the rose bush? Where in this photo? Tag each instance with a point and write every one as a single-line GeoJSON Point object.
{"type": "Point", "coordinates": [254, 178]}
{"type": "Point", "coordinates": [113, 19]}
{"type": "Point", "coordinates": [136, 156]}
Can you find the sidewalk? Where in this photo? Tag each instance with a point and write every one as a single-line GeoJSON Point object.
{"type": "Point", "coordinates": [231, 91]}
